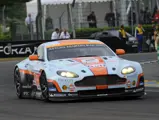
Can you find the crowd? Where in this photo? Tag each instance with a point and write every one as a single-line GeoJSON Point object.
{"type": "Point", "coordinates": [60, 34]}
{"type": "Point", "coordinates": [145, 18]}
{"type": "Point", "coordinates": [139, 32]}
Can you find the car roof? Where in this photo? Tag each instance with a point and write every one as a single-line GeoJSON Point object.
{"type": "Point", "coordinates": [70, 42]}
{"type": "Point", "coordinates": [110, 31]}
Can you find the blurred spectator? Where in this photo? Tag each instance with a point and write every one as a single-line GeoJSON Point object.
{"type": "Point", "coordinates": [92, 20]}
{"type": "Point", "coordinates": [122, 34]}
{"type": "Point", "coordinates": [156, 37]}
{"type": "Point", "coordinates": [56, 34]}
{"type": "Point", "coordinates": [156, 17]}
{"type": "Point", "coordinates": [29, 22]}
{"type": "Point", "coordinates": [110, 19]}
{"type": "Point", "coordinates": [64, 34]}
{"type": "Point", "coordinates": [139, 31]}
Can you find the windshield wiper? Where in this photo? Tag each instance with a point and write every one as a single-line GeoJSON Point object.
{"type": "Point", "coordinates": [87, 56]}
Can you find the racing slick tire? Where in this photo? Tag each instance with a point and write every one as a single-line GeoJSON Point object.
{"type": "Point", "coordinates": [44, 87]}
{"type": "Point", "coordinates": [18, 83]}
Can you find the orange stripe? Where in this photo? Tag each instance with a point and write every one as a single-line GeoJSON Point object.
{"type": "Point", "coordinates": [72, 43]}
{"type": "Point", "coordinates": [97, 71]}
{"type": "Point", "coordinates": [57, 86]}
{"type": "Point", "coordinates": [139, 76]}
{"type": "Point", "coordinates": [101, 87]}
{"type": "Point", "coordinates": [26, 72]}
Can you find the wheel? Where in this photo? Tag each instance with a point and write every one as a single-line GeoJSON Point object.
{"type": "Point", "coordinates": [18, 84]}
{"type": "Point", "coordinates": [44, 87]}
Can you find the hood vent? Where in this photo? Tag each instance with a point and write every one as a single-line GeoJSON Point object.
{"type": "Point", "coordinates": [83, 71]}
{"type": "Point", "coordinates": [70, 60]}
{"type": "Point", "coordinates": [105, 58]}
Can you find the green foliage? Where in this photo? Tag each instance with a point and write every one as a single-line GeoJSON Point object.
{"type": "Point", "coordinates": [86, 32]}
{"type": "Point", "coordinates": [17, 11]}
{"type": "Point", "coordinates": [11, 2]}
{"type": "Point", "coordinates": [80, 33]}
{"type": "Point", "coordinates": [4, 36]}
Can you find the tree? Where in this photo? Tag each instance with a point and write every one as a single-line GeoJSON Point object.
{"type": "Point", "coordinates": [13, 8]}
{"type": "Point", "coordinates": [11, 2]}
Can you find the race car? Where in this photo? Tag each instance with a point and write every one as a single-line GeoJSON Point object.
{"type": "Point", "coordinates": [77, 69]}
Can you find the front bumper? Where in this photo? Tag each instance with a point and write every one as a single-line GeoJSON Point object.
{"type": "Point", "coordinates": [87, 94]}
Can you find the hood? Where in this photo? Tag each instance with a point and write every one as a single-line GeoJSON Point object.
{"type": "Point", "coordinates": [132, 38]}
{"type": "Point", "coordinates": [96, 65]}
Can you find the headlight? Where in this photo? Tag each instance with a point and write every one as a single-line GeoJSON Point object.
{"type": "Point", "coordinates": [128, 70]}
{"type": "Point", "coordinates": [67, 74]}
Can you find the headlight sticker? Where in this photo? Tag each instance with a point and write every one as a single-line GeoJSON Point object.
{"type": "Point", "coordinates": [128, 70]}
{"type": "Point", "coordinates": [67, 74]}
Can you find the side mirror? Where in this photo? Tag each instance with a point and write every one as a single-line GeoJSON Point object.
{"type": "Point", "coordinates": [120, 51]}
{"type": "Point", "coordinates": [33, 57]}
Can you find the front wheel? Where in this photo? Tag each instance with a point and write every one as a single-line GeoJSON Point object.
{"type": "Point", "coordinates": [18, 84]}
{"type": "Point", "coordinates": [44, 87]}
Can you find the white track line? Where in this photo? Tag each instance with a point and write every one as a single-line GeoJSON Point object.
{"type": "Point", "coordinates": [149, 62]}
{"type": "Point", "coordinates": [157, 91]}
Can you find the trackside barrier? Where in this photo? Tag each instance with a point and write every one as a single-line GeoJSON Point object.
{"type": "Point", "coordinates": [26, 48]}
{"type": "Point", "coordinates": [19, 48]}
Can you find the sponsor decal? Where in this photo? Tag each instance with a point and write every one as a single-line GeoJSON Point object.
{"type": "Point", "coordinates": [57, 95]}
{"type": "Point", "coordinates": [139, 89]}
{"type": "Point", "coordinates": [129, 90]}
{"type": "Point", "coordinates": [18, 50]}
{"type": "Point", "coordinates": [71, 46]}
{"type": "Point", "coordinates": [26, 93]}
{"type": "Point", "coordinates": [135, 90]}
{"type": "Point", "coordinates": [65, 80]}
{"type": "Point", "coordinates": [90, 60]}
{"type": "Point", "coordinates": [97, 65]}
{"type": "Point", "coordinates": [52, 89]}
{"type": "Point", "coordinates": [71, 88]}
{"type": "Point", "coordinates": [72, 94]}
{"type": "Point", "coordinates": [27, 87]}
{"type": "Point", "coordinates": [102, 95]}
{"type": "Point", "coordinates": [141, 83]}
{"type": "Point", "coordinates": [128, 84]}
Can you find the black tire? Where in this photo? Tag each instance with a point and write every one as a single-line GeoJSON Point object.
{"type": "Point", "coordinates": [44, 87]}
{"type": "Point", "coordinates": [18, 84]}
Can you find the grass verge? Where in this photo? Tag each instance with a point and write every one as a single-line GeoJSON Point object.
{"type": "Point", "coordinates": [12, 59]}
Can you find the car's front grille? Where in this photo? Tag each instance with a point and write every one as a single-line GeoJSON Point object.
{"type": "Point", "coordinates": [106, 91]}
{"type": "Point", "coordinates": [100, 80]}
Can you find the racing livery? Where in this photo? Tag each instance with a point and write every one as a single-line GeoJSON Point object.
{"type": "Point", "coordinates": [77, 69]}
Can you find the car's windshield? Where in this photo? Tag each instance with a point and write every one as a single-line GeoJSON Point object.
{"type": "Point", "coordinates": [73, 51]}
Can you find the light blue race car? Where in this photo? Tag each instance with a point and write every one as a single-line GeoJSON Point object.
{"type": "Point", "coordinates": [77, 69]}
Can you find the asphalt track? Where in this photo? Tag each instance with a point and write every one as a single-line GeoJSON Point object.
{"type": "Point", "coordinates": [12, 108]}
